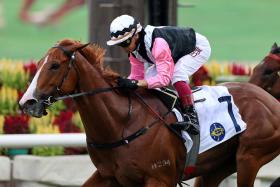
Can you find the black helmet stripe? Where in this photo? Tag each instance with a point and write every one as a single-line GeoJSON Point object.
{"type": "Point", "coordinates": [122, 32]}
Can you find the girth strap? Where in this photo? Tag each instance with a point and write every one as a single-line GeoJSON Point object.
{"type": "Point", "coordinates": [121, 142]}
{"type": "Point", "coordinates": [124, 141]}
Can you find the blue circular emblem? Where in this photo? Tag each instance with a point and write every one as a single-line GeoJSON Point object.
{"type": "Point", "coordinates": [217, 132]}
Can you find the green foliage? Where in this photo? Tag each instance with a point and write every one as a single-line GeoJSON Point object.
{"type": "Point", "coordinates": [78, 121]}
{"type": "Point", "coordinates": [57, 107]}
{"type": "Point", "coordinates": [48, 151]}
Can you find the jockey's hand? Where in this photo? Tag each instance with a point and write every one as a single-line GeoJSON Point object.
{"type": "Point", "coordinates": [127, 83]}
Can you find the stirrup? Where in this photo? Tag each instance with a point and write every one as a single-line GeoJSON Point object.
{"type": "Point", "coordinates": [193, 129]}
{"type": "Point", "coordinates": [180, 125]}
{"type": "Point", "coordinates": [186, 126]}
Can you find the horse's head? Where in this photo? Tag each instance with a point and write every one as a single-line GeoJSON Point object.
{"type": "Point", "coordinates": [57, 75]}
{"type": "Point", "coordinates": [267, 73]}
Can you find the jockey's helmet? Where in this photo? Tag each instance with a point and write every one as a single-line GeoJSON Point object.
{"type": "Point", "coordinates": [122, 28]}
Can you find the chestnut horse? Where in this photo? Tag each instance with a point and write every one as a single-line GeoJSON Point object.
{"type": "Point", "coordinates": [267, 73]}
{"type": "Point", "coordinates": [128, 139]}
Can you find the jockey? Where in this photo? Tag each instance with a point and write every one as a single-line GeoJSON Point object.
{"type": "Point", "coordinates": [173, 53]}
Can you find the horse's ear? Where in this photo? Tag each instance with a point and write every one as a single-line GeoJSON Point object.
{"type": "Point", "coordinates": [274, 47]}
{"type": "Point", "coordinates": [82, 46]}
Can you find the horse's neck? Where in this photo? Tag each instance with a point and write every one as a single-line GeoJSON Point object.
{"type": "Point", "coordinates": [100, 113]}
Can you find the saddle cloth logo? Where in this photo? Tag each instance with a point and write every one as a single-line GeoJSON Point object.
{"type": "Point", "coordinates": [217, 132]}
{"type": "Point", "coordinates": [218, 116]}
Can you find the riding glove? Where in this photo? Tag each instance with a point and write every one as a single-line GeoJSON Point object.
{"type": "Point", "coordinates": [127, 83]}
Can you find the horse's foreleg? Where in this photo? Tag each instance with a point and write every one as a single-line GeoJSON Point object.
{"type": "Point", "coordinates": [247, 169]}
{"type": "Point", "coordinates": [213, 179]}
{"type": "Point", "coordinates": [97, 180]}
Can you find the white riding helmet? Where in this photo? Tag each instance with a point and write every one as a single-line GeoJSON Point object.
{"type": "Point", "coordinates": [122, 28]}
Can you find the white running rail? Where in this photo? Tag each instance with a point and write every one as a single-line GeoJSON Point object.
{"type": "Point", "coordinates": [33, 140]}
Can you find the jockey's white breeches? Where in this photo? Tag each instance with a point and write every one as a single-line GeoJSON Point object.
{"type": "Point", "coordinates": [188, 64]}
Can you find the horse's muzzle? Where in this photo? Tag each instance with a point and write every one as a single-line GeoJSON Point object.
{"type": "Point", "coordinates": [34, 108]}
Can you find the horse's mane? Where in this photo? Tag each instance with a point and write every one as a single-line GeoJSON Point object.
{"type": "Point", "coordinates": [95, 56]}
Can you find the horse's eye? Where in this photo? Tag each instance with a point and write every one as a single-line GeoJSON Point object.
{"type": "Point", "coordinates": [54, 66]}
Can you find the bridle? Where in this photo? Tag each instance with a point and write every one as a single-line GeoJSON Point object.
{"type": "Point", "coordinates": [276, 58]}
{"type": "Point", "coordinates": [125, 140]}
{"type": "Point", "coordinates": [275, 77]}
{"type": "Point", "coordinates": [71, 63]}
{"type": "Point", "coordinates": [72, 57]}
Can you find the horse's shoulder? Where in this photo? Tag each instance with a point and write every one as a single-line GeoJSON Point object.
{"type": "Point", "coordinates": [249, 94]}
{"type": "Point", "coordinates": [242, 87]}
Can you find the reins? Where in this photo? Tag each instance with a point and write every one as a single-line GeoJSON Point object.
{"type": "Point", "coordinates": [133, 136]}
{"type": "Point", "coordinates": [91, 92]}
{"type": "Point", "coordinates": [158, 116]}
{"type": "Point", "coordinates": [123, 141]}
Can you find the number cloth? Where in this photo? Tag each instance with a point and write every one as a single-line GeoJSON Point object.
{"type": "Point", "coordinates": [219, 117]}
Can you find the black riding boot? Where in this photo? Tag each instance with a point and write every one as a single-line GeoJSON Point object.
{"type": "Point", "coordinates": [190, 116]}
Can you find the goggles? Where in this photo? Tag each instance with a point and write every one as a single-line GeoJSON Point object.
{"type": "Point", "coordinates": [127, 42]}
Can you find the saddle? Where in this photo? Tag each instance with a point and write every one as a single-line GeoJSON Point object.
{"type": "Point", "coordinates": [170, 99]}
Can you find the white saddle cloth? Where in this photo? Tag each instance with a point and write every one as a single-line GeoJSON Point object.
{"type": "Point", "coordinates": [218, 116]}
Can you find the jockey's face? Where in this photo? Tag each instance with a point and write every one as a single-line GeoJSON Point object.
{"type": "Point", "coordinates": [133, 44]}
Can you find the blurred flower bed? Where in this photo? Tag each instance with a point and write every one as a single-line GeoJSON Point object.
{"type": "Point", "coordinates": [62, 118]}
{"type": "Point", "coordinates": [216, 72]}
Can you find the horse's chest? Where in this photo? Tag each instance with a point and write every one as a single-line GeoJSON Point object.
{"type": "Point", "coordinates": [124, 169]}
{"type": "Point", "coordinates": [127, 173]}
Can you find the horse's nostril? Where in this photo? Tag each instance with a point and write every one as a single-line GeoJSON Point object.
{"type": "Point", "coordinates": [30, 102]}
